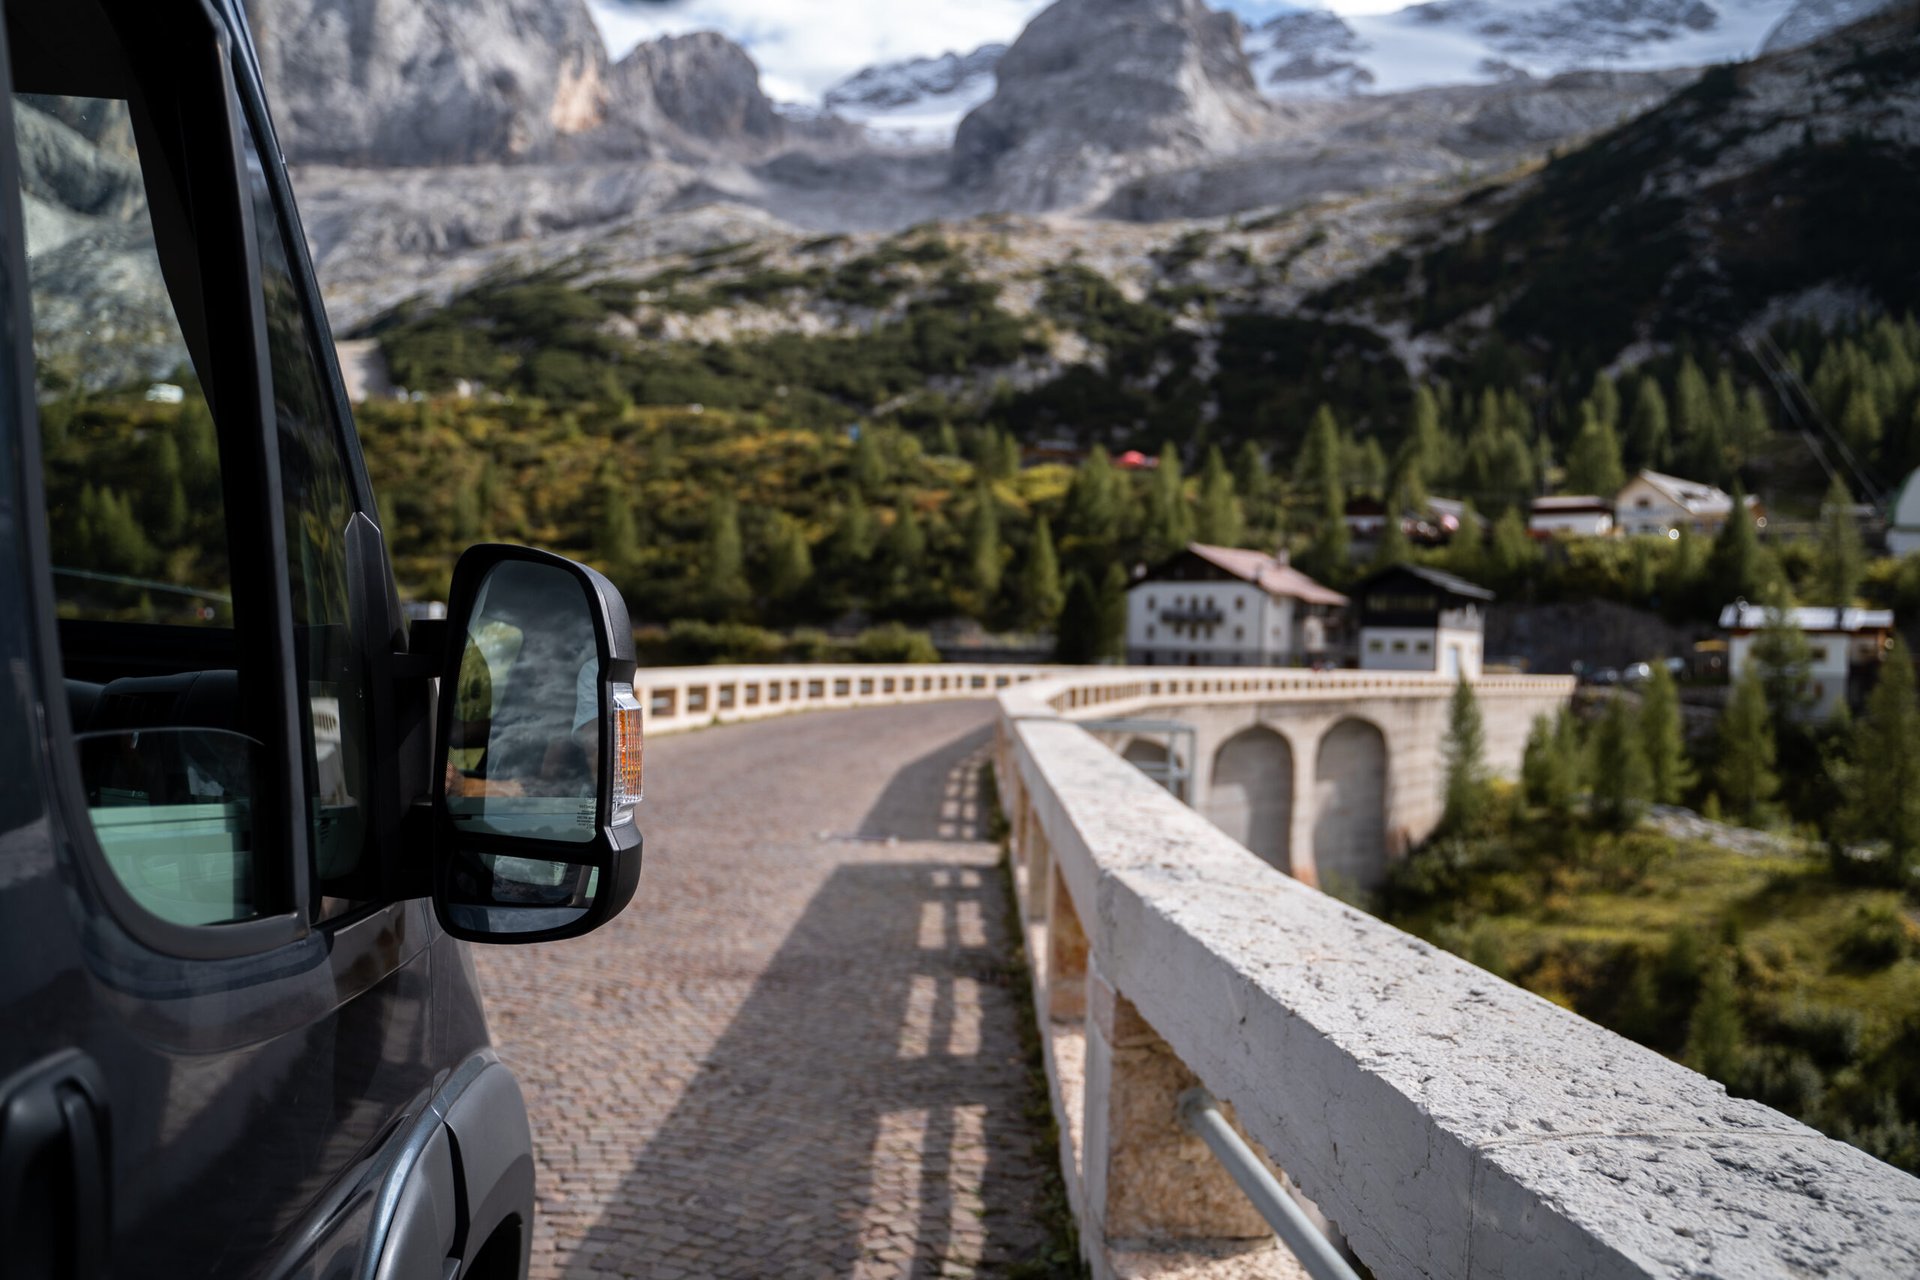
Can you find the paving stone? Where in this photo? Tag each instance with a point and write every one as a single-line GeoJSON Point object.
{"type": "Point", "coordinates": [789, 1057]}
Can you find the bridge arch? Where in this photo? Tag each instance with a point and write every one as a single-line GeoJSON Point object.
{"type": "Point", "coordinates": [1250, 796]}
{"type": "Point", "coordinates": [1350, 779]}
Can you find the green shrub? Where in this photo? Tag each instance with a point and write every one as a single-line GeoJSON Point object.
{"type": "Point", "coordinates": [894, 643]}
{"type": "Point", "coordinates": [1876, 935]}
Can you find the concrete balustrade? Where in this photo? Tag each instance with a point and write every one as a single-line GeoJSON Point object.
{"type": "Point", "coordinates": [677, 698]}
{"type": "Point", "coordinates": [1449, 1123]}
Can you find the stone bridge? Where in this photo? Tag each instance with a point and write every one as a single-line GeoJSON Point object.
{"type": "Point", "coordinates": [1324, 775]}
{"type": "Point", "coordinates": [796, 1054]}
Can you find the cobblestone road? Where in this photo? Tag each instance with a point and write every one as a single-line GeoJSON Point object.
{"type": "Point", "coordinates": [796, 1053]}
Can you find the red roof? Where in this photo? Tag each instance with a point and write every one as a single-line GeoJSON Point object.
{"type": "Point", "coordinates": [1267, 573]}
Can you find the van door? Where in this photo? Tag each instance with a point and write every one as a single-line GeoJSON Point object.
{"type": "Point", "coordinates": [246, 1018]}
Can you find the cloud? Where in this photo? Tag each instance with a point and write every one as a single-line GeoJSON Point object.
{"type": "Point", "coordinates": [805, 46]}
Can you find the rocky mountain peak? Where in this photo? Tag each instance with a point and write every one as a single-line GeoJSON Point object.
{"type": "Point", "coordinates": [1095, 91]}
{"type": "Point", "coordinates": [392, 82]}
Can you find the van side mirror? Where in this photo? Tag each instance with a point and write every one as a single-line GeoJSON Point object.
{"type": "Point", "coordinates": [537, 758]}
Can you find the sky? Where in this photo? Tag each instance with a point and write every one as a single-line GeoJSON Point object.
{"type": "Point", "coordinates": [805, 46]}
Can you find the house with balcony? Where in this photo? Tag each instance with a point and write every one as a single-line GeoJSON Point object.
{"type": "Point", "coordinates": [1844, 647]}
{"type": "Point", "coordinates": [1228, 607]}
{"type": "Point", "coordinates": [1659, 505]}
{"type": "Point", "coordinates": [1413, 618]}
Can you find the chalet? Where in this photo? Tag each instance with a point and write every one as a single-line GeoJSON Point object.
{"type": "Point", "coordinates": [1417, 619]}
{"type": "Point", "coordinates": [1226, 607]}
{"type": "Point", "coordinates": [1583, 515]}
{"type": "Point", "coordinates": [1844, 648]}
{"type": "Point", "coordinates": [1660, 505]}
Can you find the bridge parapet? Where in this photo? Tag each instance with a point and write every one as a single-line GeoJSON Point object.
{"type": "Point", "coordinates": [1450, 1123]}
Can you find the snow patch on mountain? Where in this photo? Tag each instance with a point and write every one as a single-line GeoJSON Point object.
{"type": "Point", "coordinates": [918, 101]}
{"type": "Point", "coordinates": [1316, 52]}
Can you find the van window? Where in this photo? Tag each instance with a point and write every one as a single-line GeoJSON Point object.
{"type": "Point", "coordinates": [319, 502]}
{"type": "Point", "coordinates": [137, 526]}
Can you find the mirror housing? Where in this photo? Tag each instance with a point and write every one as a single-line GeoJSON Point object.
{"type": "Point", "coordinates": [537, 758]}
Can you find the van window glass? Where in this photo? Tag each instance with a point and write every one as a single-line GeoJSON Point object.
{"type": "Point", "coordinates": [132, 460]}
{"type": "Point", "coordinates": [137, 525]}
{"type": "Point", "coordinates": [319, 500]}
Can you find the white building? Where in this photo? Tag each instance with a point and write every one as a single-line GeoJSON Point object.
{"type": "Point", "coordinates": [1903, 535]}
{"type": "Point", "coordinates": [1222, 606]}
{"type": "Point", "coordinates": [1657, 504]}
{"type": "Point", "coordinates": [1417, 619]}
{"type": "Point", "coordinates": [1583, 515]}
{"type": "Point", "coordinates": [1844, 646]}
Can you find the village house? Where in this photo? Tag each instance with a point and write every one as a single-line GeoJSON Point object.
{"type": "Point", "coordinates": [1844, 648]}
{"type": "Point", "coordinates": [1226, 607]}
{"type": "Point", "coordinates": [1659, 505]}
{"type": "Point", "coordinates": [1417, 619]}
{"type": "Point", "coordinates": [1582, 515]}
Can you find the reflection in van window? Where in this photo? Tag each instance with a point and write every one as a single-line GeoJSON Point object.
{"type": "Point", "coordinates": [132, 461]}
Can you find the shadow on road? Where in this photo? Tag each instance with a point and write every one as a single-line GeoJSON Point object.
{"type": "Point", "coordinates": [936, 797]}
{"type": "Point", "coordinates": [863, 1113]}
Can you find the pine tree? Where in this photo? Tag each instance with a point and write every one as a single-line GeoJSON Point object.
{"type": "Point", "coordinates": [1110, 614]}
{"type": "Point", "coordinates": [1465, 752]}
{"type": "Point", "coordinates": [984, 564]}
{"type": "Point", "coordinates": [1218, 520]}
{"type": "Point", "coordinates": [1884, 804]}
{"type": "Point", "coordinates": [1648, 429]}
{"type": "Point", "coordinates": [165, 487]}
{"type": "Point", "coordinates": [1782, 658]}
{"type": "Point", "coordinates": [1093, 500]}
{"type": "Point", "coordinates": [1744, 775]}
{"type": "Point", "coordinates": [1841, 557]}
{"type": "Point", "coordinates": [789, 562]}
{"type": "Point", "coordinates": [1715, 1038]}
{"type": "Point", "coordinates": [850, 546]}
{"type": "Point", "coordinates": [1169, 518]}
{"type": "Point", "coordinates": [724, 565]}
{"type": "Point", "coordinates": [1738, 566]}
{"type": "Point", "coordinates": [1663, 737]}
{"type": "Point", "coordinates": [869, 464]}
{"type": "Point", "coordinates": [1550, 767]}
{"type": "Point", "coordinates": [1604, 398]}
{"type": "Point", "coordinates": [1040, 595]}
{"type": "Point", "coordinates": [1593, 463]}
{"type": "Point", "coordinates": [1076, 638]}
{"type": "Point", "coordinates": [1693, 412]}
{"type": "Point", "coordinates": [1511, 552]}
{"type": "Point", "coordinates": [906, 541]}
{"type": "Point", "coordinates": [1622, 781]}
{"type": "Point", "coordinates": [1860, 422]}
{"type": "Point", "coordinates": [616, 541]}
{"type": "Point", "coordinates": [1466, 550]}
{"type": "Point", "coordinates": [1423, 453]}
{"type": "Point", "coordinates": [1394, 546]}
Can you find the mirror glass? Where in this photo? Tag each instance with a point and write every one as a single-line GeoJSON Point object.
{"type": "Point", "coordinates": [501, 893]}
{"type": "Point", "coordinates": [523, 749]}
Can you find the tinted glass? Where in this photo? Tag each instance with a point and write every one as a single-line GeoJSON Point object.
{"type": "Point", "coordinates": [136, 519]}
{"type": "Point", "coordinates": [319, 500]}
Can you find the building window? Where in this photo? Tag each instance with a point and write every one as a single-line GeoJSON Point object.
{"type": "Point", "coordinates": [1149, 602]}
{"type": "Point", "coordinates": [1239, 602]}
{"type": "Point", "coordinates": [1374, 646]}
{"type": "Point", "coordinates": [1399, 646]}
{"type": "Point", "coordinates": [1239, 633]}
{"type": "Point", "coordinates": [1423, 646]}
{"type": "Point", "coordinates": [1818, 653]}
{"type": "Point", "coordinates": [1149, 633]}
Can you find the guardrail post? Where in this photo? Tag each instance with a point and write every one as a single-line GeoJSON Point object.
{"type": "Point", "coordinates": [1149, 1181]}
{"type": "Point", "coordinates": [1066, 970]}
{"type": "Point", "coordinates": [1039, 869]}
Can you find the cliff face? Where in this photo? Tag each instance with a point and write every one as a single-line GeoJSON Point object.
{"type": "Point", "coordinates": [406, 83]}
{"type": "Point", "coordinates": [397, 82]}
{"type": "Point", "coordinates": [1098, 91]}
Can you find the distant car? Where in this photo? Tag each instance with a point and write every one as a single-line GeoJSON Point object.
{"type": "Point", "coordinates": [1603, 675]}
{"type": "Point", "coordinates": [1638, 673]}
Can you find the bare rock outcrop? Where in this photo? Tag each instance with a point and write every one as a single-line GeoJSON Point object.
{"type": "Point", "coordinates": [1095, 92]}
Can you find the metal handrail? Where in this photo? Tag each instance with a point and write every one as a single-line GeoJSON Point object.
{"type": "Point", "coordinates": [1201, 1114]}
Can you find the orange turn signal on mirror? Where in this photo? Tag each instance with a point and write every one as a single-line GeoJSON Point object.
{"type": "Point", "coordinates": [628, 739]}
